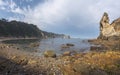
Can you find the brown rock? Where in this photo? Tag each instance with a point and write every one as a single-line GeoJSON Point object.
{"type": "Point", "coordinates": [31, 62]}
{"type": "Point", "coordinates": [94, 48]}
{"type": "Point", "coordinates": [67, 53]}
{"type": "Point", "coordinates": [49, 53]}
{"type": "Point", "coordinates": [108, 30]}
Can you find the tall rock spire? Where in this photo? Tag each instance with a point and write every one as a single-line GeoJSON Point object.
{"type": "Point", "coordinates": [104, 22]}
{"type": "Point", "coordinates": [106, 29]}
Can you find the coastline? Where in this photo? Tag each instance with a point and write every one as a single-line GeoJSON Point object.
{"type": "Point", "coordinates": [15, 61]}
{"type": "Point", "coordinates": [12, 38]}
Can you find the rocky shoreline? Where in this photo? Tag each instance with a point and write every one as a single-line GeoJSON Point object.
{"type": "Point", "coordinates": [16, 62]}
{"type": "Point", "coordinates": [104, 45]}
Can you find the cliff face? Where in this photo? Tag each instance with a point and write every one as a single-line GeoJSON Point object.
{"type": "Point", "coordinates": [107, 30]}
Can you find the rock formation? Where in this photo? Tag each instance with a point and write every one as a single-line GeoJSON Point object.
{"type": "Point", "coordinates": [107, 30]}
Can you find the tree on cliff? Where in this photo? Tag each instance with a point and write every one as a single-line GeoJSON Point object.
{"type": "Point", "coordinates": [21, 29]}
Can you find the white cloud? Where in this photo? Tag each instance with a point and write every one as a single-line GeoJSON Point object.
{"type": "Point", "coordinates": [13, 7]}
{"type": "Point", "coordinates": [2, 3]}
{"type": "Point", "coordinates": [17, 10]}
{"type": "Point", "coordinates": [49, 12]}
{"type": "Point", "coordinates": [10, 6]}
{"type": "Point", "coordinates": [53, 11]}
{"type": "Point", "coordinates": [68, 14]}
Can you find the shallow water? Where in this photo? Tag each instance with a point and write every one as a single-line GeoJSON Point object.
{"type": "Point", "coordinates": [51, 44]}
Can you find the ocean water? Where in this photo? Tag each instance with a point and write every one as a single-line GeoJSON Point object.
{"type": "Point", "coordinates": [54, 44]}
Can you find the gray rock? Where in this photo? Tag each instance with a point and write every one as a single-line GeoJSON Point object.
{"type": "Point", "coordinates": [69, 44]}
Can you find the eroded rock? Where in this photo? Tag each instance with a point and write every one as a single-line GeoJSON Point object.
{"type": "Point", "coordinates": [109, 30]}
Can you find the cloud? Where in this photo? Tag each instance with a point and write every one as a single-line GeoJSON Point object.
{"type": "Point", "coordinates": [57, 10]}
{"type": "Point", "coordinates": [10, 6]}
{"type": "Point", "coordinates": [78, 17]}
{"type": "Point", "coordinates": [67, 15]}
{"type": "Point", "coordinates": [48, 13]}
{"type": "Point", "coordinates": [2, 3]}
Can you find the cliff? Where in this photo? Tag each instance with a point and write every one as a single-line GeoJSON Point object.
{"type": "Point", "coordinates": [23, 30]}
{"type": "Point", "coordinates": [107, 30]}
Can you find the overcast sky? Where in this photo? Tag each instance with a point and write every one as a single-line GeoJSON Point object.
{"type": "Point", "coordinates": [78, 18]}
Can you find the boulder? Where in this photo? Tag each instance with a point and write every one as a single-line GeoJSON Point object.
{"type": "Point", "coordinates": [64, 46]}
{"type": "Point", "coordinates": [50, 53]}
{"type": "Point", "coordinates": [69, 44]}
{"type": "Point", "coordinates": [95, 48]}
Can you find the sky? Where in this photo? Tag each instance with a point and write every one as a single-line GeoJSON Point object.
{"type": "Point", "coordinates": [77, 18]}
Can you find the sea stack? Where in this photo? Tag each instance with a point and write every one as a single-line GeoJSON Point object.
{"type": "Point", "coordinates": [107, 30]}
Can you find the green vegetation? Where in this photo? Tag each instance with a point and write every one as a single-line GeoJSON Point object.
{"type": "Point", "coordinates": [21, 29]}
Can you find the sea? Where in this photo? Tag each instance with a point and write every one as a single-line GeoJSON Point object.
{"type": "Point", "coordinates": [39, 46]}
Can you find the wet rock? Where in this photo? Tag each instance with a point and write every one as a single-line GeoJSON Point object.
{"type": "Point", "coordinates": [69, 44]}
{"type": "Point", "coordinates": [95, 48]}
{"type": "Point", "coordinates": [63, 46]}
{"type": "Point", "coordinates": [49, 53]}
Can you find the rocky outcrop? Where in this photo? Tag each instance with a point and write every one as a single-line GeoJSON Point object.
{"type": "Point", "coordinates": [107, 30]}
